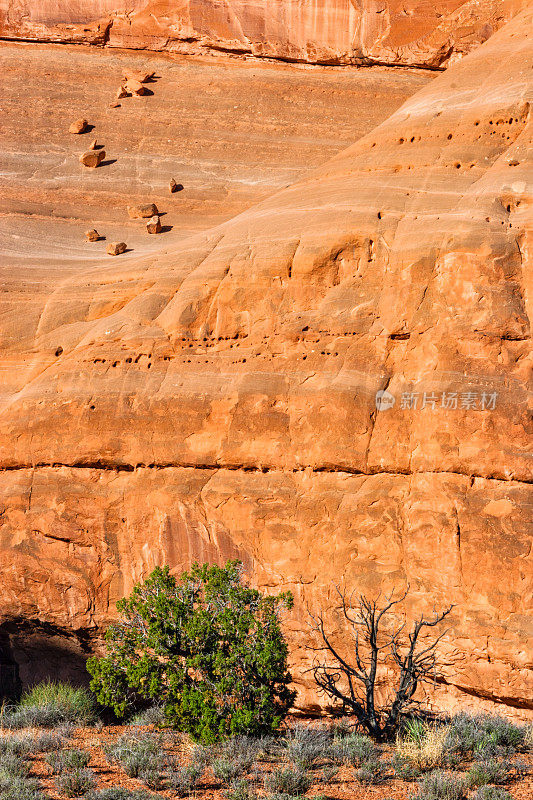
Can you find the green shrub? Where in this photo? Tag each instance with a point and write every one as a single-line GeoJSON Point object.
{"type": "Point", "coordinates": [441, 786]}
{"type": "Point", "coordinates": [288, 780]}
{"type": "Point", "coordinates": [209, 647]}
{"type": "Point", "coordinates": [137, 754]}
{"type": "Point", "coordinates": [76, 782]}
{"type": "Point", "coordinates": [58, 701]}
{"type": "Point", "coordinates": [67, 759]}
{"type": "Point", "coordinates": [485, 772]}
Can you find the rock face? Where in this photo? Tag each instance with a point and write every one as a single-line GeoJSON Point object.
{"type": "Point", "coordinates": [219, 400]}
{"type": "Point", "coordinates": [313, 31]}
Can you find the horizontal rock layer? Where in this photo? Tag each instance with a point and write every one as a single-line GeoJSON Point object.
{"type": "Point", "coordinates": [313, 31]}
{"type": "Point", "coordinates": [219, 398]}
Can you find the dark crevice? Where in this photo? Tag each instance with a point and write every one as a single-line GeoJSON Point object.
{"type": "Point", "coordinates": [109, 466]}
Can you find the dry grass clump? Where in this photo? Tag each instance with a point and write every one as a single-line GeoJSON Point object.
{"type": "Point", "coordinates": [423, 745]}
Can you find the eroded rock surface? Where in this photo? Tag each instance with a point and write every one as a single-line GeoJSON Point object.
{"type": "Point", "coordinates": [220, 399]}
{"type": "Point", "coordinates": [313, 31]}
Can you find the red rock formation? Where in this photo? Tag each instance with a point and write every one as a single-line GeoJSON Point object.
{"type": "Point", "coordinates": [314, 31]}
{"type": "Point", "coordinates": [220, 399]}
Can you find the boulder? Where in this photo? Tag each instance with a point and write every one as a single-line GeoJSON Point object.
{"type": "Point", "coordinates": [154, 225]}
{"type": "Point", "coordinates": [116, 248]}
{"type": "Point", "coordinates": [92, 158]}
{"type": "Point", "coordinates": [135, 88]}
{"type": "Point", "coordinates": [80, 126]}
{"type": "Point", "coordinates": [140, 76]}
{"type": "Point", "coordinates": [142, 211]}
{"type": "Point", "coordinates": [92, 235]}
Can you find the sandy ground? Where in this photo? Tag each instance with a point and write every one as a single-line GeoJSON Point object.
{"type": "Point", "coordinates": [343, 787]}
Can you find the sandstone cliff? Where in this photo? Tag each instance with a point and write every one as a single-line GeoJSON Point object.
{"type": "Point", "coordinates": [220, 400]}
{"type": "Point", "coordinates": [313, 31]}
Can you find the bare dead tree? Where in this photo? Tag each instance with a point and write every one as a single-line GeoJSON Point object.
{"type": "Point", "coordinates": [352, 681]}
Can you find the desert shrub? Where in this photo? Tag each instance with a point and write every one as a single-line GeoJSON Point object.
{"type": "Point", "coordinates": [47, 741]}
{"type": "Point", "coordinates": [362, 750]}
{"type": "Point", "coordinates": [239, 790]}
{"type": "Point", "coordinates": [370, 772]}
{"type": "Point", "coordinates": [67, 759]}
{"type": "Point", "coordinates": [209, 647]}
{"type": "Point", "coordinates": [137, 754]}
{"type": "Point", "coordinates": [405, 768]}
{"type": "Point", "coordinates": [441, 786]}
{"type": "Point", "coordinates": [12, 764]}
{"type": "Point", "coordinates": [227, 769]}
{"type": "Point", "coordinates": [152, 777]}
{"type": "Point", "coordinates": [119, 793]}
{"type": "Point", "coordinates": [246, 748]}
{"type": "Point", "coordinates": [185, 780]}
{"type": "Point", "coordinates": [354, 749]}
{"type": "Point", "coordinates": [483, 734]}
{"type": "Point", "coordinates": [154, 715]}
{"type": "Point", "coordinates": [288, 780]}
{"type": "Point", "coordinates": [201, 756]}
{"type": "Point", "coordinates": [50, 703]}
{"type": "Point", "coordinates": [528, 736]}
{"type": "Point", "coordinates": [422, 744]}
{"type": "Point", "coordinates": [306, 745]}
{"type": "Point", "coordinates": [491, 793]}
{"type": "Point", "coordinates": [19, 745]}
{"type": "Point", "coordinates": [75, 782]}
{"type": "Point", "coordinates": [328, 773]}
{"type": "Point", "coordinates": [484, 772]}
{"type": "Point", "coordinates": [13, 787]}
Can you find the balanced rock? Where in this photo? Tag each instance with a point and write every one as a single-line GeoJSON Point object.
{"type": "Point", "coordinates": [92, 235]}
{"type": "Point", "coordinates": [154, 225]}
{"type": "Point", "coordinates": [80, 126]}
{"type": "Point", "coordinates": [116, 248]}
{"type": "Point", "coordinates": [92, 158]}
{"type": "Point", "coordinates": [142, 211]}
